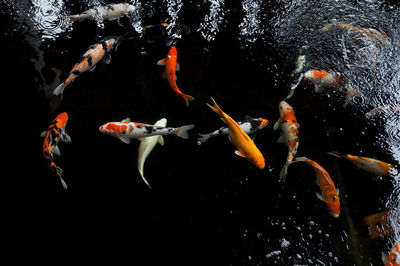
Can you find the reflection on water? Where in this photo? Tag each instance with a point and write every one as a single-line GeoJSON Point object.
{"type": "Point", "coordinates": [251, 27]}
{"type": "Point", "coordinates": [209, 28]}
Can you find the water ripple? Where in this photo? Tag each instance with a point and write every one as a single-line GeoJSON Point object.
{"type": "Point", "coordinates": [210, 27]}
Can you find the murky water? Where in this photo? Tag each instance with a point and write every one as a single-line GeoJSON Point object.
{"type": "Point", "coordinates": [207, 204]}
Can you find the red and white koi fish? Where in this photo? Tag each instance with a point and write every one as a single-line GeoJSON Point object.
{"type": "Point", "coordinates": [245, 146]}
{"type": "Point", "coordinates": [147, 144]}
{"type": "Point", "coordinates": [377, 110]}
{"type": "Point", "coordinates": [370, 165]}
{"type": "Point", "coordinates": [54, 133]}
{"type": "Point", "coordinates": [95, 53]}
{"type": "Point", "coordinates": [329, 193]}
{"type": "Point", "coordinates": [107, 12]}
{"type": "Point", "coordinates": [171, 66]}
{"type": "Point", "coordinates": [323, 79]}
{"type": "Point", "coordinates": [127, 130]}
{"type": "Point", "coordinates": [393, 259]}
{"type": "Point", "coordinates": [290, 134]}
{"type": "Point", "coordinates": [249, 125]}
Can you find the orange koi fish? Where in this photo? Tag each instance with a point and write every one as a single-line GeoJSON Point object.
{"type": "Point", "coordinates": [323, 79]}
{"type": "Point", "coordinates": [93, 55]}
{"type": "Point", "coordinates": [330, 194]}
{"type": "Point", "coordinates": [370, 165]}
{"type": "Point", "coordinates": [290, 134]}
{"type": "Point", "coordinates": [171, 66]}
{"type": "Point", "coordinates": [127, 130]}
{"type": "Point", "coordinates": [54, 133]}
{"type": "Point", "coordinates": [245, 146]}
{"type": "Point", "coordinates": [394, 256]}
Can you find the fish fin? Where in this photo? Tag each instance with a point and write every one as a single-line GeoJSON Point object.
{"type": "Point", "coordinates": [164, 75]}
{"type": "Point", "coordinates": [107, 58]}
{"type": "Point", "coordinates": [203, 138]}
{"type": "Point", "coordinates": [336, 154]}
{"type": "Point", "coordinates": [126, 120]}
{"type": "Point", "coordinates": [125, 140]}
{"type": "Point", "coordinates": [178, 68]}
{"type": "Point", "coordinates": [384, 258]}
{"type": "Point", "coordinates": [283, 172]}
{"type": "Point", "coordinates": [277, 125]}
{"type": "Point", "coordinates": [240, 154]}
{"type": "Point", "coordinates": [337, 191]}
{"type": "Point", "coordinates": [60, 89]}
{"type": "Point", "coordinates": [281, 139]}
{"type": "Point", "coordinates": [318, 89]}
{"type": "Point", "coordinates": [183, 131]}
{"type": "Point", "coordinates": [162, 62]}
{"type": "Point", "coordinates": [187, 99]}
{"type": "Point", "coordinates": [65, 187]}
{"type": "Point", "coordinates": [56, 151]}
{"type": "Point", "coordinates": [43, 134]}
{"type": "Point", "coordinates": [319, 195]}
{"type": "Point", "coordinates": [216, 109]}
{"type": "Point", "coordinates": [64, 137]}
{"type": "Point", "coordinates": [161, 140]}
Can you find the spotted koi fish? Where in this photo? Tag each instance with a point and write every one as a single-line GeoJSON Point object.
{"type": "Point", "coordinates": [54, 133]}
{"type": "Point", "coordinates": [245, 146]}
{"type": "Point", "coordinates": [126, 130]}
{"type": "Point", "coordinates": [323, 79]}
{"type": "Point", "coordinates": [329, 193]}
{"type": "Point", "coordinates": [107, 12]}
{"type": "Point", "coordinates": [171, 66]}
{"type": "Point", "coordinates": [393, 259]}
{"type": "Point", "coordinates": [370, 165]}
{"type": "Point", "coordinates": [290, 134]}
{"type": "Point", "coordinates": [95, 53]}
{"type": "Point", "coordinates": [249, 125]}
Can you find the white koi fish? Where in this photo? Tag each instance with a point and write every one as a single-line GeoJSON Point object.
{"type": "Point", "coordinates": [107, 12]}
{"type": "Point", "coordinates": [147, 145]}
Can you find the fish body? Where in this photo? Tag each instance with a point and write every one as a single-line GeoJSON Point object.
{"type": "Point", "coordinates": [127, 130]}
{"type": "Point", "coordinates": [93, 55]}
{"type": "Point", "coordinates": [373, 166]}
{"type": "Point", "coordinates": [147, 144]}
{"type": "Point", "coordinates": [393, 259]}
{"type": "Point", "coordinates": [171, 66]}
{"type": "Point", "coordinates": [329, 193]}
{"type": "Point", "coordinates": [52, 135]}
{"type": "Point", "coordinates": [290, 134]}
{"type": "Point", "coordinates": [245, 146]}
{"type": "Point", "coordinates": [107, 12]}
{"type": "Point", "coordinates": [249, 125]}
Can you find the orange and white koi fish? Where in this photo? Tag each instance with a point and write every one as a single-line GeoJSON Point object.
{"type": "Point", "coordinates": [245, 146]}
{"type": "Point", "coordinates": [370, 165]}
{"type": "Point", "coordinates": [171, 66]}
{"type": "Point", "coordinates": [329, 193]}
{"type": "Point", "coordinates": [249, 125]}
{"type": "Point", "coordinates": [95, 53]}
{"type": "Point", "coordinates": [107, 12]}
{"type": "Point", "coordinates": [126, 130]}
{"type": "Point", "coordinates": [290, 134]}
{"type": "Point", "coordinates": [323, 79]}
{"type": "Point", "coordinates": [147, 144]}
{"type": "Point", "coordinates": [393, 259]}
{"type": "Point", "coordinates": [54, 133]}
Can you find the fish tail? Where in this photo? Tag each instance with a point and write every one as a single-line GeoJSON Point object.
{"type": "Point", "coordinates": [203, 138]}
{"type": "Point", "coordinates": [144, 179]}
{"type": "Point", "coordinates": [216, 108]}
{"type": "Point", "coordinates": [187, 99]}
{"type": "Point", "coordinates": [60, 89]}
{"type": "Point", "coordinates": [59, 173]}
{"type": "Point", "coordinates": [336, 154]}
{"type": "Point", "coordinates": [65, 187]}
{"type": "Point", "coordinates": [183, 131]}
{"type": "Point", "coordinates": [284, 170]}
{"type": "Point", "coordinates": [73, 18]}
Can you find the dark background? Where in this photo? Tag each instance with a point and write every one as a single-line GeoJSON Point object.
{"type": "Point", "coordinates": [206, 205]}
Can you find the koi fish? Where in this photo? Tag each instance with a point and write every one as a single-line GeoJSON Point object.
{"type": "Point", "coordinates": [290, 134]}
{"type": "Point", "coordinates": [127, 130]}
{"type": "Point", "coordinates": [323, 79]}
{"type": "Point", "coordinates": [301, 61]}
{"type": "Point", "coordinates": [329, 193]}
{"type": "Point", "coordinates": [245, 146]}
{"type": "Point", "coordinates": [147, 144]}
{"type": "Point", "coordinates": [54, 133]}
{"type": "Point", "coordinates": [171, 66]}
{"type": "Point", "coordinates": [93, 55]}
{"type": "Point", "coordinates": [157, 32]}
{"type": "Point", "coordinates": [370, 165]}
{"type": "Point", "coordinates": [107, 12]}
{"type": "Point", "coordinates": [394, 256]}
{"type": "Point", "coordinates": [249, 125]}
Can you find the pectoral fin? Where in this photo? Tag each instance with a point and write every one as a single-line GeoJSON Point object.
{"type": "Point", "coordinates": [126, 120]}
{"type": "Point", "coordinates": [125, 140]}
{"type": "Point", "coordinates": [107, 58]}
{"type": "Point", "coordinates": [277, 125]}
{"type": "Point", "coordinates": [162, 62]}
{"type": "Point", "coordinates": [281, 140]}
{"type": "Point", "coordinates": [178, 68]}
{"type": "Point", "coordinates": [320, 196]}
{"type": "Point", "coordinates": [240, 154]}
{"type": "Point", "coordinates": [164, 75]}
{"type": "Point", "coordinates": [161, 140]}
{"type": "Point", "coordinates": [56, 151]}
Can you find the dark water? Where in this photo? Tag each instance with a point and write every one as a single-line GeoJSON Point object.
{"type": "Point", "coordinates": [207, 205]}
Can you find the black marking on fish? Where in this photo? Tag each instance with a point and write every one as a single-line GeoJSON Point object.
{"type": "Point", "coordinates": [254, 123]}
{"type": "Point", "coordinates": [110, 7]}
{"type": "Point", "coordinates": [76, 72]}
{"type": "Point", "coordinates": [90, 61]}
{"type": "Point", "coordinates": [104, 45]}
{"type": "Point", "coordinates": [149, 129]}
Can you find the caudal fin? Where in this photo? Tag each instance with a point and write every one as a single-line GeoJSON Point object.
{"type": "Point", "coordinates": [216, 108]}
{"type": "Point", "coordinates": [336, 154]}
{"type": "Point", "coordinates": [203, 138]}
{"type": "Point", "coordinates": [60, 89]}
{"type": "Point", "coordinates": [283, 172]}
{"type": "Point", "coordinates": [187, 99]}
{"type": "Point", "coordinates": [59, 172]}
{"type": "Point", "coordinates": [183, 131]}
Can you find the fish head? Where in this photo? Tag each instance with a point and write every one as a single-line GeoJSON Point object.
{"type": "Point", "coordinates": [263, 123]}
{"type": "Point", "coordinates": [315, 75]}
{"type": "Point", "coordinates": [62, 120]}
{"type": "Point", "coordinates": [284, 108]}
{"type": "Point", "coordinates": [334, 205]}
{"type": "Point", "coordinates": [173, 52]}
{"type": "Point", "coordinates": [110, 129]}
